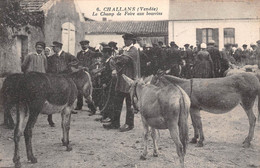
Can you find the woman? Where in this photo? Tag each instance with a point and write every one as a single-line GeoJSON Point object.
{"type": "Point", "coordinates": [203, 67]}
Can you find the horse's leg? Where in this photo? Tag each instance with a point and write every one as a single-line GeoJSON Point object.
{"type": "Point", "coordinates": [196, 131]}
{"type": "Point", "coordinates": [197, 119]}
{"type": "Point", "coordinates": [8, 120]}
{"type": "Point", "coordinates": [65, 124]}
{"type": "Point", "coordinates": [155, 146]}
{"type": "Point", "coordinates": [20, 114]}
{"type": "Point", "coordinates": [34, 110]}
{"type": "Point", "coordinates": [51, 123]}
{"type": "Point", "coordinates": [145, 136]}
{"type": "Point", "coordinates": [174, 131]}
{"type": "Point", "coordinates": [252, 120]}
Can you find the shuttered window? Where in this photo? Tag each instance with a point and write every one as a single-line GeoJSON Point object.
{"type": "Point", "coordinates": [229, 36]}
{"type": "Point", "coordinates": [68, 37]}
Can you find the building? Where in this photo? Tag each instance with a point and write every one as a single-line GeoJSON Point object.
{"type": "Point", "coordinates": [229, 21]}
{"type": "Point", "coordinates": [148, 32]}
{"type": "Point", "coordinates": [60, 20]}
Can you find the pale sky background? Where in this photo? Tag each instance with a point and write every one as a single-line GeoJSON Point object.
{"type": "Point", "coordinates": [89, 6]}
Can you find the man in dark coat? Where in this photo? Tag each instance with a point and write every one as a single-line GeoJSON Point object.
{"type": "Point", "coordinates": [128, 63]}
{"type": "Point", "coordinates": [85, 57]}
{"type": "Point", "coordinates": [60, 61]}
{"type": "Point", "coordinates": [174, 59]}
{"type": "Point", "coordinates": [189, 60]}
{"type": "Point", "coordinates": [215, 56]}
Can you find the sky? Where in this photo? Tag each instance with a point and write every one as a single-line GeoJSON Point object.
{"type": "Point", "coordinates": [125, 10]}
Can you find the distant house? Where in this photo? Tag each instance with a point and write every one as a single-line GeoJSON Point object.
{"type": "Point", "coordinates": [232, 21]}
{"type": "Point", "coordinates": [148, 32]}
{"type": "Point", "coordinates": [62, 21]}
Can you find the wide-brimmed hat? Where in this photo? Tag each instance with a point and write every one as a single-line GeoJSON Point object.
{"type": "Point", "coordinates": [41, 43]}
{"type": "Point", "coordinates": [83, 42]}
{"type": "Point", "coordinates": [128, 36]}
{"type": "Point", "coordinates": [56, 44]}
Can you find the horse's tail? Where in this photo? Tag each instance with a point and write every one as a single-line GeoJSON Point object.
{"type": "Point", "coordinates": [183, 119]}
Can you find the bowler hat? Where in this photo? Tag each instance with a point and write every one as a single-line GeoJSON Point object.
{"type": "Point", "coordinates": [56, 44]}
{"type": "Point", "coordinates": [107, 48]}
{"type": "Point", "coordinates": [186, 45]}
{"type": "Point", "coordinates": [128, 36]}
{"type": "Point", "coordinates": [84, 42]}
{"type": "Point", "coordinates": [41, 43]}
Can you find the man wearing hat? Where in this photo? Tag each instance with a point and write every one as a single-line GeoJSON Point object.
{"type": "Point", "coordinates": [189, 59]}
{"type": "Point", "coordinates": [127, 63]}
{"type": "Point", "coordinates": [35, 61]}
{"type": "Point", "coordinates": [86, 60]}
{"type": "Point", "coordinates": [245, 55]}
{"type": "Point", "coordinates": [215, 56]}
{"type": "Point", "coordinates": [174, 59]}
{"type": "Point", "coordinates": [258, 53]}
{"type": "Point", "coordinates": [60, 61]}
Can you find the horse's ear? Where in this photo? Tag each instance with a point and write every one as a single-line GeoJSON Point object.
{"type": "Point", "coordinates": [128, 80]}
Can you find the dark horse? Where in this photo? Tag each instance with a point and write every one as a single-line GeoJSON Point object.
{"type": "Point", "coordinates": [44, 93]}
{"type": "Point", "coordinates": [9, 94]}
{"type": "Point", "coordinates": [218, 96]}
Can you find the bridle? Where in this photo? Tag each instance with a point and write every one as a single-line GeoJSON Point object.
{"type": "Point", "coordinates": [133, 97]}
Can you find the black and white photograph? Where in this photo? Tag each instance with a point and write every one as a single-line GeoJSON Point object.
{"type": "Point", "coordinates": [130, 83]}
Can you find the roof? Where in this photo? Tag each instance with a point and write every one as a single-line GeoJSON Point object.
{"type": "Point", "coordinates": [214, 10]}
{"type": "Point", "coordinates": [32, 5]}
{"type": "Point", "coordinates": [120, 27]}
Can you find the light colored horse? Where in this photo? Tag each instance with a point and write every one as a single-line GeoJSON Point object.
{"type": "Point", "coordinates": [162, 108]}
{"type": "Point", "coordinates": [218, 96]}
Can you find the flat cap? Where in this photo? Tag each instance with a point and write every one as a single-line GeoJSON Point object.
{"type": "Point", "coordinates": [41, 43]}
{"type": "Point", "coordinates": [128, 36]}
{"type": "Point", "coordinates": [56, 43]}
{"type": "Point", "coordinates": [84, 42]}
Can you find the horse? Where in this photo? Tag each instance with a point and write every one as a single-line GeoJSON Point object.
{"type": "Point", "coordinates": [161, 108]}
{"type": "Point", "coordinates": [45, 93]}
{"type": "Point", "coordinates": [9, 93]}
{"type": "Point", "coordinates": [218, 96]}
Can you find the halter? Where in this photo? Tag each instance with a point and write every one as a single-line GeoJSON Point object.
{"type": "Point", "coordinates": [135, 96]}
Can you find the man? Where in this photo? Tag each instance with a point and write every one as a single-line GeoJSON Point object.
{"type": "Point", "coordinates": [215, 56]}
{"type": "Point", "coordinates": [174, 59]}
{"type": "Point", "coordinates": [60, 61]}
{"type": "Point", "coordinates": [245, 55]}
{"type": "Point", "coordinates": [35, 61]}
{"type": "Point", "coordinates": [257, 53]}
{"type": "Point", "coordinates": [86, 61]}
{"type": "Point", "coordinates": [127, 63]}
{"type": "Point", "coordinates": [189, 59]}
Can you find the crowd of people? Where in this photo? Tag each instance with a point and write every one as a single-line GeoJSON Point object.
{"type": "Point", "coordinates": [106, 64]}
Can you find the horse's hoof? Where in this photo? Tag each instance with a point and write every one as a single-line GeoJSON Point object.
{"type": "Point", "coordinates": [246, 144]}
{"type": "Point", "coordinates": [155, 154]}
{"type": "Point", "coordinates": [33, 160]}
{"type": "Point", "coordinates": [18, 165]}
{"type": "Point", "coordinates": [142, 157]}
{"type": "Point", "coordinates": [69, 148]}
{"type": "Point", "coordinates": [52, 124]}
{"type": "Point", "coordinates": [193, 141]}
{"type": "Point", "coordinates": [200, 144]}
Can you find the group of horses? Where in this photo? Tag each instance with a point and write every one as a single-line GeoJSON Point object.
{"type": "Point", "coordinates": [164, 102]}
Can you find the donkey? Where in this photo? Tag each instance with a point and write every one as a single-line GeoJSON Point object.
{"type": "Point", "coordinates": [47, 94]}
{"type": "Point", "coordinates": [9, 93]}
{"type": "Point", "coordinates": [218, 96]}
{"type": "Point", "coordinates": [161, 108]}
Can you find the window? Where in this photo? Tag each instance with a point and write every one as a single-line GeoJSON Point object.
{"type": "Point", "coordinates": [229, 35]}
{"type": "Point", "coordinates": [206, 34]}
{"type": "Point", "coordinates": [68, 37]}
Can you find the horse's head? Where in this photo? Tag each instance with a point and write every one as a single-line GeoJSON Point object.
{"type": "Point", "coordinates": [135, 85]}
{"type": "Point", "coordinates": [83, 82]}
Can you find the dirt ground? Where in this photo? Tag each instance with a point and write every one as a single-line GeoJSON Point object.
{"type": "Point", "coordinates": [95, 147]}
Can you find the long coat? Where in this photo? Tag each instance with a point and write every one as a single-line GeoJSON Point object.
{"type": "Point", "coordinates": [216, 58]}
{"type": "Point", "coordinates": [62, 63]}
{"type": "Point", "coordinates": [85, 58]}
{"type": "Point", "coordinates": [129, 64]}
{"type": "Point", "coordinates": [203, 67]}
